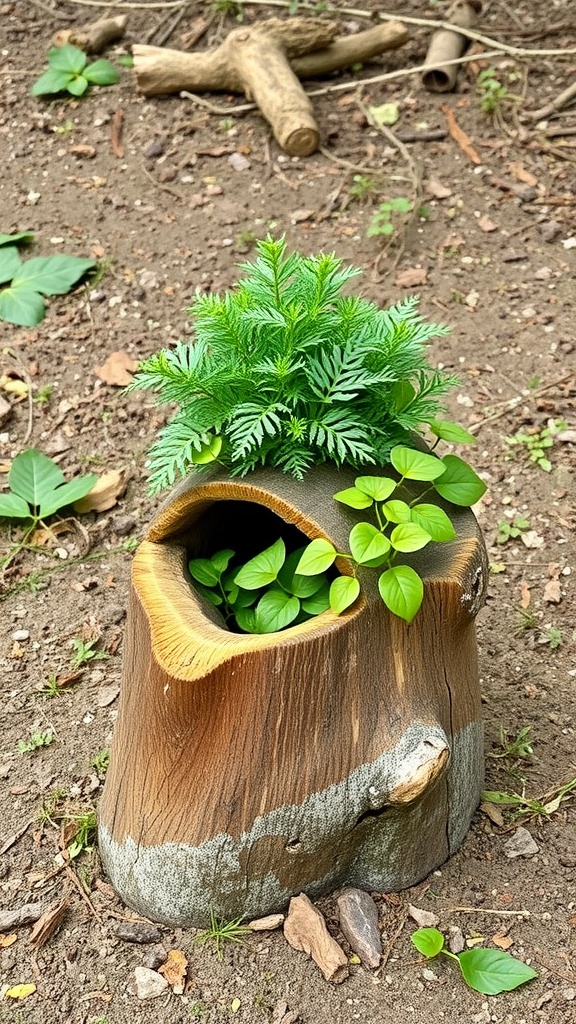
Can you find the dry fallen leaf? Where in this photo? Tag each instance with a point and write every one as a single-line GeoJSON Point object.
{"type": "Point", "coordinates": [174, 970]}
{"type": "Point", "coordinates": [20, 991]}
{"type": "Point", "coordinates": [521, 174]}
{"type": "Point", "coordinates": [49, 923]}
{"type": "Point", "coordinates": [436, 190]}
{"type": "Point", "coordinates": [459, 135]}
{"type": "Point", "coordinates": [524, 595]}
{"type": "Point", "coordinates": [411, 277]}
{"type": "Point", "coordinates": [494, 813]}
{"type": "Point", "coordinates": [105, 493]}
{"type": "Point", "coordinates": [118, 369]}
{"type": "Point", "coordinates": [502, 941]}
{"type": "Point", "coordinates": [531, 539]}
{"type": "Point", "coordinates": [7, 940]}
{"type": "Point", "coordinates": [552, 593]}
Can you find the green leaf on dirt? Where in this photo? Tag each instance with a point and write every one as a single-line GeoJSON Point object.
{"type": "Point", "coordinates": [13, 507]}
{"type": "Point", "coordinates": [459, 483]}
{"type": "Point", "coordinates": [51, 82]}
{"type": "Point", "coordinates": [10, 263]}
{"type": "Point", "coordinates": [491, 971]}
{"type": "Point", "coordinates": [387, 113]}
{"type": "Point", "coordinates": [21, 306]}
{"type": "Point", "coordinates": [101, 72]}
{"type": "Point", "coordinates": [70, 59]}
{"type": "Point", "coordinates": [428, 941]}
{"type": "Point", "coordinates": [20, 236]}
{"type": "Point", "coordinates": [41, 483]}
{"type": "Point", "coordinates": [52, 275]}
{"type": "Point", "coordinates": [77, 86]}
{"type": "Point", "coordinates": [66, 494]}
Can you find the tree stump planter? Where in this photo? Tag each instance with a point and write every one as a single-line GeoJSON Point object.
{"type": "Point", "coordinates": [245, 769]}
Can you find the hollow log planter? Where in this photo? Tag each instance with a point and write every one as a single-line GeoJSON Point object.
{"type": "Point", "coordinates": [265, 62]}
{"type": "Point", "coordinates": [246, 769]}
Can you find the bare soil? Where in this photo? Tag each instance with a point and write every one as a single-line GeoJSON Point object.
{"type": "Point", "coordinates": [177, 213]}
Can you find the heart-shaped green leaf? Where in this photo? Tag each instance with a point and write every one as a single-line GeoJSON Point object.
{"type": "Point", "coordinates": [33, 476]}
{"type": "Point", "coordinates": [377, 487]}
{"type": "Point", "coordinates": [397, 511]}
{"type": "Point", "coordinates": [353, 498]}
{"type": "Point", "coordinates": [50, 83]}
{"type": "Point", "coordinates": [428, 941]}
{"type": "Point", "coordinates": [275, 610]}
{"type": "Point", "coordinates": [204, 571]}
{"type": "Point", "coordinates": [434, 520]}
{"type": "Point", "coordinates": [318, 556]}
{"type": "Point", "coordinates": [69, 58]}
{"type": "Point", "coordinates": [21, 306]}
{"type": "Point", "coordinates": [459, 483]}
{"type": "Point", "coordinates": [319, 602]}
{"type": "Point", "coordinates": [409, 537]}
{"type": "Point", "coordinates": [263, 568]}
{"type": "Point", "coordinates": [402, 591]}
{"type": "Point", "coordinates": [20, 236]}
{"type": "Point", "coordinates": [343, 592]}
{"type": "Point", "coordinates": [208, 452]}
{"type": "Point", "coordinates": [367, 545]}
{"type": "Point", "coordinates": [451, 432]}
{"type": "Point", "coordinates": [52, 275]}
{"type": "Point", "coordinates": [416, 465]}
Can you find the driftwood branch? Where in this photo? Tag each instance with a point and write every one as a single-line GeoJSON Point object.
{"type": "Point", "coordinates": [265, 63]}
{"type": "Point", "coordinates": [447, 45]}
{"type": "Point", "coordinates": [93, 38]}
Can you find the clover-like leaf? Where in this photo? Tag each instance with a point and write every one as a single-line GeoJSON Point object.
{"type": "Point", "coordinates": [52, 275]}
{"type": "Point", "coordinates": [10, 262]}
{"type": "Point", "coordinates": [101, 72]}
{"type": "Point", "coordinates": [69, 59]}
{"type": "Point", "coordinates": [33, 476]}
{"type": "Point", "coordinates": [12, 506]}
{"type": "Point", "coordinates": [21, 306]}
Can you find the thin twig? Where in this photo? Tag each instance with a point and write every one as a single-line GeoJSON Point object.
{"type": "Point", "coordinates": [219, 111]}
{"type": "Point", "coordinates": [562, 100]}
{"type": "Point", "coordinates": [511, 403]}
{"type": "Point", "coordinates": [161, 185]}
{"type": "Point", "coordinates": [171, 28]}
{"type": "Point", "coordinates": [486, 910]}
{"type": "Point", "coordinates": [392, 940]}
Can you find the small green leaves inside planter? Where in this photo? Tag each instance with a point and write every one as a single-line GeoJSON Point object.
{"type": "Point", "coordinates": [415, 465]}
{"type": "Point", "coordinates": [263, 568]}
{"type": "Point", "coordinates": [489, 971]}
{"type": "Point", "coordinates": [38, 487]}
{"type": "Point", "coordinates": [402, 590]}
{"type": "Point", "coordinates": [274, 611]}
{"type": "Point", "coordinates": [69, 71]}
{"type": "Point", "coordinates": [459, 483]}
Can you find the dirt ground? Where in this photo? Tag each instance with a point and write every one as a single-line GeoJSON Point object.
{"type": "Point", "coordinates": [176, 213]}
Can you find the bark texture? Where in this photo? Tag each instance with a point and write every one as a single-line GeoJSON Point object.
{"type": "Point", "coordinates": [93, 38]}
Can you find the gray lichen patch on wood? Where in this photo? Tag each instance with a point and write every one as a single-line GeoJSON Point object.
{"type": "Point", "coordinates": [348, 834]}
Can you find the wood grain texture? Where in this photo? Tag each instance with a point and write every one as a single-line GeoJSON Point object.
{"type": "Point", "coordinates": [293, 760]}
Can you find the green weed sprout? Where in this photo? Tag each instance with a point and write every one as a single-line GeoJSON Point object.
{"type": "Point", "coordinates": [69, 71]}
{"type": "Point", "coordinates": [489, 971]}
{"type": "Point", "coordinates": [383, 221]}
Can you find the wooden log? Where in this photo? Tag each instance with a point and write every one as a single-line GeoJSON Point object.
{"type": "Point", "coordinates": [245, 769]}
{"type": "Point", "coordinates": [447, 45]}
{"type": "Point", "coordinates": [93, 38]}
{"type": "Point", "coordinates": [265, 63]}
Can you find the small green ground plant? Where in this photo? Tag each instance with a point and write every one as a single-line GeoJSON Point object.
{"type": "Point", "coordinates": [84, 652]}
{"type": "Point", "coordinates": [69, 71]}
{"type": "Point", "coordinates": [386, 218]}
{"type": "Point", "coordinates": [489, 971]}
{"type": "Point", "coordinates": [537, 444]}
{"type": "Point", "coordinates": [223, 932]}
{"type": "Point", "coordinates": [491, 91]}
{"type": "Point", "coordinates": [37, 740]}
{"type": "Point", "coordinates": [23, 285]}
{"type": "Point", "coordinates": [511, 530]}
{"type": "Point", "coordinates": [518, 746]}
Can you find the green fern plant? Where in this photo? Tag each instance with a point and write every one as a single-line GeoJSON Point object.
{"type": "Point", "coordinates": [287, 371]}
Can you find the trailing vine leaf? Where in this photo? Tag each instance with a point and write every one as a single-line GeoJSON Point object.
{"type": "Point", "coordinates": [21, 303]}
{"type": "Point", "coordinates": [459, 483]}
{"type": "Point", "coordinates": [491, 971]}
{"type": "Point", "coordinates": [416, 465]}
{"type": "Point", "coordinates": [344, 590]}
{"type": "Point", "coordinates": [318, 556]}
{"type": "Point", "coordinates": [402, 591]}
{"type": "Point", "coordinates": [434, 520]}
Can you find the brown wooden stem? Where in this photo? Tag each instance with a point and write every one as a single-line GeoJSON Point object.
{"type": "Point", "coordinates": [93, 38]}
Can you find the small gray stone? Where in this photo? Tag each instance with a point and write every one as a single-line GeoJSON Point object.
{"type": "Point", "coordinates": [550, 230]}
{"type": "Point", "coordinates": [154, 957]}
{"type": "Point", "coordinates": [123, 525]}
{"type": "Point", "coordinates": [456, 941]}
{"type": "Point", "coordinates": [149, 984]}
{"type": "Point", "coordinates": [520, 844]}
{"type": "Point", "coordinates": [569, 994]}
{"type": "Point", "coordinates": [359, 925]}
{"type": "Point", "coordinates": [137, 931]}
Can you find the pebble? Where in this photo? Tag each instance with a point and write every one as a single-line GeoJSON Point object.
{"type": "Point", "coordinates": [429, 975]}
{"type": "Point", "coordinates": [137, 931]}
{"type": "Point", "coordinates": [123, 525]}
{"type": "Point", "coordinates": [550, 230]}
{"type": "Point", "coordinates": [149, 984]}
{"type": "Point", "coordinates": [154, 957]}
{"type": "Point", "coordinates": [423, 918]}
{"type": "Point", "coordinates": [520, 844]}
{"type": "Point", "coordinates": [20, 634]}
{"type": "Point", "coordinates": [359, 924]}
{"type": "Point", "coordinates": [569, 994]}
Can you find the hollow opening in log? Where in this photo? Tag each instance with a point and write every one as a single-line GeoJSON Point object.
{"type": "Point", "coordinates": [245, 527]}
